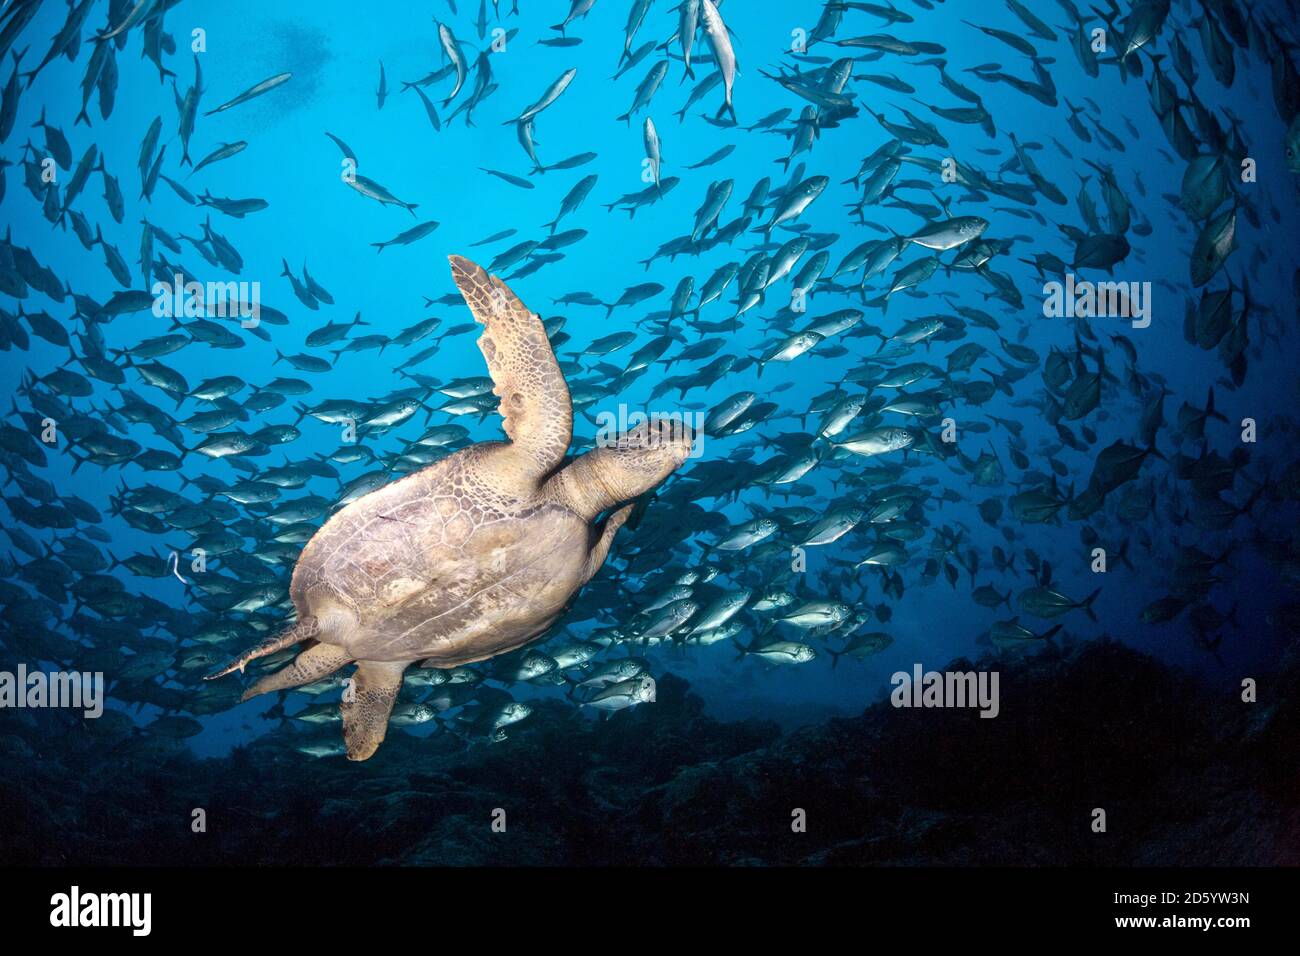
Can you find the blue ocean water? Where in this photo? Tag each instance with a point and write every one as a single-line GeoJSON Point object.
{"type": "Point", "coordinates": [333, 51]}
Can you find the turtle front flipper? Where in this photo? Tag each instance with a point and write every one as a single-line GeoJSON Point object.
{"type": "Point", "coordinates": [366, 709]}
{"type": "Point", "coordinates": [535, 404]}
{"type": "Point", "coordinates": [600, 550]}
{"type": "Point", "coordinates": [319, 660]}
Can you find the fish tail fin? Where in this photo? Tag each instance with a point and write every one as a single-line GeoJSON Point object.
{"type": "Point", "coordinates": [1209, 408]}
{"type": "Point", "coordinates": [1087, 605]}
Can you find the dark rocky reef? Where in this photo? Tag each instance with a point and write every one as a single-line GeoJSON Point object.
{"type": "Point", "coordinates": [1185, 777]}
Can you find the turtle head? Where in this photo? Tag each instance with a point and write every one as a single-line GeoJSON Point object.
{"type": "Point", "coordinates": [641, 458]}
{"type": "Point", "coordinates": [623, 468]}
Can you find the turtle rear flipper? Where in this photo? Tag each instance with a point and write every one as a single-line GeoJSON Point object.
{"type": "Point", "coordinates": [304, 629]}
{"type": "Point", "coordinates": [365, 713]}
{"type": "Point", "coordinates": [319, 660]}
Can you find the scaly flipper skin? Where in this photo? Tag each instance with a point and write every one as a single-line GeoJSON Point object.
{"type": "Point", "coordinates": [319, 660]}
{"type": "Point", "coordinates": [365, 712]}
{"type": "Point", "coordinates": [600, 550]}
{"type": "Point", "coordinates": [535, 405]}
{"type": "Point", "coordinates": [303, 629]}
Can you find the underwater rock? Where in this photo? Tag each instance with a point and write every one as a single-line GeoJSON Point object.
{"type": "Point", "coordinates": [1187, 777]}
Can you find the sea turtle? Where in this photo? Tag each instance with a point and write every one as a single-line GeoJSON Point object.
{"type": "Point", "coordinates": [478, 553]}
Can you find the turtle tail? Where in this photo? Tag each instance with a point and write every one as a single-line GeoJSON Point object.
{"type": "Point", "coordinates": [303, 629]}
